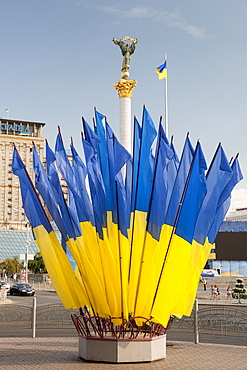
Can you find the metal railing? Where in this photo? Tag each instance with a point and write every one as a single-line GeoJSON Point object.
{"type": "Point", "coordinates": [220, 319]}
{"type": "Point", "coordinates": [20, 317]}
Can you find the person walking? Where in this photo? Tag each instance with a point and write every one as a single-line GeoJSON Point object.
{"type": "Point", "coordinates": [229, 294]}
{"type": "Point", "coordinates": [215, 293]}
{"type": "Point", "coordinates": [212, 292]}
{"type": "Point", "coordinates": [205, 284]}
{"type": "Point", "coordinates": [218, 292]}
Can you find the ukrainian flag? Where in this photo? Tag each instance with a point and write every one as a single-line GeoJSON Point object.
{"type": "Point", "coordinates": [139, 229]}
{"type": "Point", "coordinates": [69, 288]}
{"type": "Point", "coordinates": [141, 204]}
{"type": "Point", "coordinates": [162, 71]}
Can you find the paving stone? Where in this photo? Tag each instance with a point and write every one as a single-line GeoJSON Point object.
{"type": "Point", "coordinates": [62, 353]}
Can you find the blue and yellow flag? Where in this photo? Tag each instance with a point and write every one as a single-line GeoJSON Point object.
{"type": "Point", "coordinates": [162, 71]}
{"type": "Point", "coordinates": [131, 225]}
{"type": "Point", "coordinates": [69, 288]}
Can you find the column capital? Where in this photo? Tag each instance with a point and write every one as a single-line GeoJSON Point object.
{"type": "Point", "coordinates": [125, 88]}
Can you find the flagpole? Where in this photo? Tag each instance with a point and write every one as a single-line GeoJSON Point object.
{"type": "Point", "coordinates": [166, 104]}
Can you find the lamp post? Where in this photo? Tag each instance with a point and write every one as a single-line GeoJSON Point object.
{"type": "Point", "coordinates": [27, 244]}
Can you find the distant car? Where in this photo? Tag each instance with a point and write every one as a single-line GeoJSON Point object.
{"type": "Point", "coordinates": [5, 285]}
{"type": "Point", "coordinates": [21, 289]}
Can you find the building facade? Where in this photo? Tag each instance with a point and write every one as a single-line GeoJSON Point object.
{"type": "Point", "coordinates": [240, 214]}
{"type": "Point", "coordinates": [22, 134]}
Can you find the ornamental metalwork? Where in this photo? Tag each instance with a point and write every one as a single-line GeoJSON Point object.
{"type": "Point", "coordinates": [227, 320]}
{"type": "Point", "coordinates": [125, 88]}
{"type": "Point", "coordinates": [218, 320]}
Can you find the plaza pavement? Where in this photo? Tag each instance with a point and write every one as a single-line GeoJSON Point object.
{"type": "Point", "coordinates": [58, 353]}
{"type": "Point", "coordinates": [62, 353]}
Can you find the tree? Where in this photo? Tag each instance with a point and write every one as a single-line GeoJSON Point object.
{"type": "Point", "coordinates": [239, 291]}
{"type": "Point", "coordinates": [11, 265]}
{"type": "Point", "coordinates": [37, 266]}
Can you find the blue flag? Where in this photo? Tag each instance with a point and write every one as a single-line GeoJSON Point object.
{"type": "Point", "coordinates": [121, 157]}
{"type": "Point", "coordinates": [112, 184]}
{"type": "Point", "coordinates": [195, 191]}
{"type": "Point", "coordinates": [31, 203]}
{"type": "Point", "coordinates": [180, 181]}
{"type": "Point", "coordinates": [224, 200]}
{"type": "Point", "coordinates": [171, 173]}
{"type": "Point", "coordinates": [68, 213]}
{"type": "Point", "coordinates": [160, 187]}
{"type": "Point", "coordinates": [80, 171]}
{"type": "Point", "coordinates": [145, 170]}
{"type": "Point", "coordinates": [217, 178]}
{"type": "Point", "coordinates": [97, 188]}
{"type": "Point", "coordinates": [90, 136]}
{"type": "Point", "coordinates": [136, 154]}
{"type": "Point", "coordinates": [67, 173]}
{"type": "Point", "coordinates": [103, 155]}
{"type": "Point", "coordinates": [45, 189]}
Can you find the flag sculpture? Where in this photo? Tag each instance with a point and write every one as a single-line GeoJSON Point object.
{"type": "Point", "coordinates": [137, 230]}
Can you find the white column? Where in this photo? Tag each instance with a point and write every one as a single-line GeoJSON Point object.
{"type": "Point", "coordinates": [125, 123]}
{"type": "Point", "coordinates": [125, 90]}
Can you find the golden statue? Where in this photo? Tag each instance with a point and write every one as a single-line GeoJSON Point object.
{"type": "Point", "coordinates": [127, 50]}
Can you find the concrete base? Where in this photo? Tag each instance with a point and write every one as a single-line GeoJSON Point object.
{"type": "Point", "coordinates": [122, 350]}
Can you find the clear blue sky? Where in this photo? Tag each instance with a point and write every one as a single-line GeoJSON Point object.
{"type": "Point", "coordinates": [58, 61]}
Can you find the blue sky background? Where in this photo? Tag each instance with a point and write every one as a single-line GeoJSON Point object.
{"type": "Point", "coordinates": [58, 61]}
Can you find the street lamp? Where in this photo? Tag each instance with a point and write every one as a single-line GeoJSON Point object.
{"type": "Point", "coordinates": [27, 244]}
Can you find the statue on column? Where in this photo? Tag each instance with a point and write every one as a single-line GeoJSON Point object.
{"type": "Point", "coordinates": [127, 50]}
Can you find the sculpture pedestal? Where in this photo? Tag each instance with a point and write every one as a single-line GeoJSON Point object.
{"type": "Point", "coordinates": [115, 350]}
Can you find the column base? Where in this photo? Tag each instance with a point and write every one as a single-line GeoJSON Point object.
{"type": "Point", "coordinates": [122, 350]}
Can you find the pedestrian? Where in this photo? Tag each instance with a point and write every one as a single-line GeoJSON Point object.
{"type": "Point", "coordinates": [218, 292]}
{"type": "Point", "coordinates": [229, 294]}
{"type": "Point", "coordinates": [212, 292]}
{"type": "Point", "coordinates": [205, 284]}
{"type": "Point", "coordinates": [215, 293]}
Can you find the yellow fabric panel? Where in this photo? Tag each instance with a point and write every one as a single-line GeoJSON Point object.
{"type": "Point", "coordinates": [75, 285]}
{"type": "Point", "coordinates": [147, 277]}
{"type": "Point", "coordinates": [138, 239]}
{"type": "Point", "coordinates": [152, 261]}
{"type": "Point", "coordinates": [67, 286]}
{"type": "Point", "coordinates": [120, 250]}
{"type": "Point", "coordinates": [124, 266]}
{"type": "Point", "coordinates": [113, 270]}
{"type": "Point", "coordinates": [93, 285]}
{"type": "Point", "coordinates": [193, 286]}
{"type": "Point", "coordinates": [111, 274]}
{"type": "Point", "coordinates": [162, 74]}
{"type": "Point", "coordinates": [191, 279]}
{"type": "Point", "coordinates": [112, 233]}
{"type": "Point", "coordinates": [188, 294]}
{"type": "Point", "coordinates": [90, 242]}
{"type": "Point", "coordinates": [171, 281]}
{"type": "Point", "coordinates": [131, 226]}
